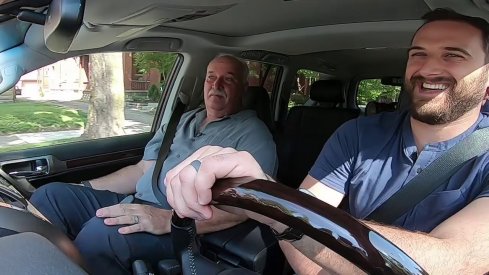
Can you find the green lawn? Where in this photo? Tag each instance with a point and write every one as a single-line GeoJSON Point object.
{"type": "Point", "coordinates": [32, 117]}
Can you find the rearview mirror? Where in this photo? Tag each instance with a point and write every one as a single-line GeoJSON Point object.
{"type": "Point", "coordinates": [63, 21]}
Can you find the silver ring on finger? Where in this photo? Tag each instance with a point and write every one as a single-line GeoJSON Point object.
{"type": "Point", "coordinates": [136, 219]}
{"type": "Point", "coordinates": [196, 164]}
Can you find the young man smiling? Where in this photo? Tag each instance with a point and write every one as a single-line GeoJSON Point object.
{"type": "Point", "coordinates": [371, 158]}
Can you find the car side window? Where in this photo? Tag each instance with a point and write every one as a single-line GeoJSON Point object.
{"type": "Point", "coordinates": [300, 93]}
{"type": "Point", "coordinates": [83, 98]}
{"type": "Point", "coordinates": [373, 90]}
{"type": "Point", "coordinates": [264, 75]}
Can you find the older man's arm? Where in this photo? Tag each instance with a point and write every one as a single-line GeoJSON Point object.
{"type": "Point", "coordinates": [122, 181]}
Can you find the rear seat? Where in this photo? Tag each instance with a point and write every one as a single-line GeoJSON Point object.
{"type": "Point", "coordinates": [257, 98]}
{"type": "Point", "coordinates": [374, 107]}
{"type": "Point", "coordinates": [307, 128]}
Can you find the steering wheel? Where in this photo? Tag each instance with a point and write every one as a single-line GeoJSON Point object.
{"type": "Point", "coordinates": [17, 215]}
{"type": "Point", "coordinates": [328, 225]}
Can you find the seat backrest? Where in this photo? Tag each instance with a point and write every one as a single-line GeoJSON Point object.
{"type": "Point", "coordinates": [306, 130]}
{"type": "Point", "coordinates": [326, 93]}
{"type": "Point", "coordinates": [404, 101]}
{"type": "Point", "coordinates": [374, 107]}
{"type": "Point", "coordinates": [257, 98]}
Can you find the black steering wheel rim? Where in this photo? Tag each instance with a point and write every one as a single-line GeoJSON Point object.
{"type": "Point", "coordinates": [328, 225]}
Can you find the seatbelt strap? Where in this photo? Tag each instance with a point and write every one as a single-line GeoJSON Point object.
{"type": "Point", "coordinates": [428, 180]}
{"type": "Point", "coordinates": [170, 131]}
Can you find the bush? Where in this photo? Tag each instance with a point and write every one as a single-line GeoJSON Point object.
{"type": "Point", "coordinates": [139, 98]}
{"type": "Point", "coordinates": [154, 93]}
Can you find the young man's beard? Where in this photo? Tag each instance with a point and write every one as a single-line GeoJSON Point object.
{"type": "Point", "coordinates": [459, 99]}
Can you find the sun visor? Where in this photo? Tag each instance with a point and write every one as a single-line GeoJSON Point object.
{"type": "Point", "coordinates": [151, 12]}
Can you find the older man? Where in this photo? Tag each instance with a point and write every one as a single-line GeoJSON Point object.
{"type": "Point", "coordinates": [111, 234]}
{"type": "Point", "coordinates": [371, 158]}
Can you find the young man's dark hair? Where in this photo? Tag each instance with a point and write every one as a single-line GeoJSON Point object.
{"type": "Point", "coordinates": [442, 14]}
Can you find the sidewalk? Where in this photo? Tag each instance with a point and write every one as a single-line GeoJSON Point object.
{"type": "Point", "coordinates": [130, 127]}
{"type": "Point", "coordinates": [138, 118]}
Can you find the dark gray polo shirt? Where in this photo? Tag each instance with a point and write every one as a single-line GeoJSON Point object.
{"type": "Point", "coordinates": [243, 131]}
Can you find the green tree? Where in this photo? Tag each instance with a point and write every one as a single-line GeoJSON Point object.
{"type": "Point", "coordinates": [145, 61]}
{"type": "Point", "coordinates": [309, 74]}
{"type": "Point", "coordinates": [374, 90]}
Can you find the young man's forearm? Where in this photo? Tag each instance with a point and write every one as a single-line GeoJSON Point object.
{"type": "Point", "coordinates": [220, 220]}
{"type": "Point", "coordinates": [435, 255]}
{"type": "Point", "coordinates": [303, 265]}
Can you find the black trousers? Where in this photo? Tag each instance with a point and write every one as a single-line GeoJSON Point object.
{"type": "Point", "coordinates": [72, 208]}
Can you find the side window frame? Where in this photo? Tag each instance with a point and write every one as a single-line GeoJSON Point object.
{"type": "Point", "coordinates": [166, 100]}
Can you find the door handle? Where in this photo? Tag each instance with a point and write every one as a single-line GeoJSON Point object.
{"type": "Point", "coordinates": [23, 174]}
{"type": "Point", "coordinates": [27, 168]}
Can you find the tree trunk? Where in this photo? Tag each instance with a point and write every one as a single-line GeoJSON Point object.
{"type": "Point", "coordinates": [106, 107]}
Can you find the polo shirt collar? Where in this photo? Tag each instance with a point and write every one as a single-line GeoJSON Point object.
{"type": "Point", "coordinates": [202, 114]}
{"type": "Point", "coordinates": [410, 144]}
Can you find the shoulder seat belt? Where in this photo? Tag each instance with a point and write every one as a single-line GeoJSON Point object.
{"type": "Point", "coordinates": [170, 131]}
{"type": "Point", "coordinates": [432, 177]}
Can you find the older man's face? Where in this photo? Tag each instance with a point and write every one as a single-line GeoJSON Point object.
{"type": "Point", "coordinates": [446, 75]}
{"type": "Point", "coordinates": [224, 86]}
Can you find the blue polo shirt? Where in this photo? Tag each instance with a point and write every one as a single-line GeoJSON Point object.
{"type": "Point", "coordinates": [243, 131]}
{"type": "Point", "coordinates": [371, 158]}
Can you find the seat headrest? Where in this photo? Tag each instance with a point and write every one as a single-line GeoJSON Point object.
{"type": "Point", "coordinates": [404, 100]}
{"type": "Point", "coordinates": [374, 107]}
{"type": "Point", "coordinates": [327, 91]}
{"type": "Point", "coordinates": [254, 96]}
{"type": "Point", "coordinates": [257, 98]}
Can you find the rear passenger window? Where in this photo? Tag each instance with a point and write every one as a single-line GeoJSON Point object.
{"type": "Point", "coordinates": [372, 90]}
{"type": "Point", "coordinates": [263, 75]}
{"type": "Point", "coordinates": [302, 86]}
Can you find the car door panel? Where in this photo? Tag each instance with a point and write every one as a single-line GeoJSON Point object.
{"type": "Point", "coordinates": [72, 162]}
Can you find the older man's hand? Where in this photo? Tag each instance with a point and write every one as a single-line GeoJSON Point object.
{"type": "Point", "coordinates": [188, 187]}
{"type": "Point", "coordinates": [138, 217]}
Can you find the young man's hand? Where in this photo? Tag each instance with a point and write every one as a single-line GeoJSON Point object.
{"type": "Point", "coordinates": [188, 186]}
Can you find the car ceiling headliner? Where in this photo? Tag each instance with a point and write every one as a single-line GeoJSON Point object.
{"type": "Point", "coordinates": [331, 35]}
